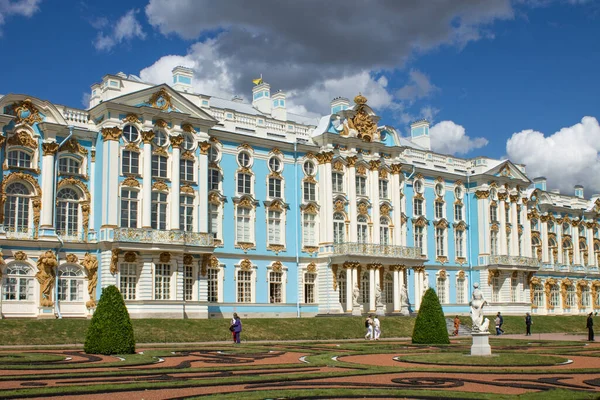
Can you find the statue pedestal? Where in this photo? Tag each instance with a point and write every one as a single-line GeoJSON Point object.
{"type": "Point", "coordinates": [46, 312]}
{"type": "Point", "coordinates": [380, 310]}
{"type": "Point", "coordinates": [404, 310]}
{"type": "Point", "coordinates": [357, 311]}
{"type": "Point", "coordinates": [481, 344]}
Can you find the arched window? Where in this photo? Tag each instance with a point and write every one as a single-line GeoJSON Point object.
{"type": "Point", "coordinates": [69, 165]}
{"type": "Point", "coordinates": [16, 208]}
{"type": "Point", "coordinates": [567, 251]}
{"type": "Point", "coordinates": [339, 231]}
{"type": "Point", "coordinates": [440, 288]}
{"type": "Point", "coordinates": [536, 248]}
{"type": "Point", "coordinates": [17, 283]}
{"type": "Point", "coordinates": [362, 229]}
{"type": "Point", "coordinates": [551, 247]}
{"type": "Point", "coordinates": [384, 230]}
{"type": "Point", "coordinates": [459, 243]}
{"type": "Point", "coordinates": [309, 287]}
{"type": "Point", "coordinates": [365, 290]}
{"type": "Point", "coordinates": [583, 252]}
{"type": "Point", "coordinates": [585, 296]}
{"type": "Point", "coordinates": [275, 289]}
{"type": "Point", "coordinates": [538, 295]}
{"type": "Point", "coordinates": [555, 296]}
{"type": "Point", "coordinates": [493, 243]}
{"type": "Point", "coordinates": [342, 289]}
{"type": "Point", "coordinates": [186, 213]}
{"type": "Point", "coordinates": [388, 289]}
{"type": "Point", "coordinates": [460, 289]}
{"type": "Point", "coordinates": [19, 158]}
{"type": "Point", "coordinates": [67, 212]}
{"type": "Point", "coordinates": [70, 286]}
{"type": "Point", "coordinates": [571, 299]}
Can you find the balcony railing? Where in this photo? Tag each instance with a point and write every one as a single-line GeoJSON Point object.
{"type": "Point", "coordinates": [515, 260]}
{"type": "Point", "coordinates": [380, 250]}
{"type": "Point", "coordinates": [71, 236]}
{"type": "Point", "coordinates": [155, 236]}
{"type": "Point", "coordinates": [18, 233]}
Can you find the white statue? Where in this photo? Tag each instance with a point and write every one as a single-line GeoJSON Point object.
{"type": "Point", "coordinates": [378, 296]}
{"type": "Point", "coordinates": [403, 296]}
{"type": "Point", "coordinates": [355, 294]}
{"type": "Point", "coordinates": [477, 303]}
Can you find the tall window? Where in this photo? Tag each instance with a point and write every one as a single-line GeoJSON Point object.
{"type": "Point", "coordinates": [439, 210]}
{"type": "Point", "coordinates": [162, 281]}
{"type": "Point", "coordinates": [571, 297]}
{"type": "Point", "coordinates": [67, 212]}
{"type": "Point", "coordinates": [69, 165]}
{"type": "Point", "coordinates": [188, 282]}
{"type": "Point", "coordinates": [275, 188]}
{"type": "Point", "coordinates": [535, 245]}
{"type": "Point", "coordinates": [128, 280]}
{"type": "Point", "coordinates": [459, 243]}
{"type": "Point", "coordinates": [538, 295]}
{"type": "Point", "coordinates": [365, 289]}
{"type": "Point", "coordinates": [309, 229]}
{"type": "Point", "coordinates": [361, 185]}
{"type": "Point", "coordinates": [186, 213]}
{"type": "Point", "coordinates": [439, 242]}
{"type": "Point", "coordinates": [309, 287]}
{"type": "Point", "coordinates": [159, 211]}
{"type": "Point", "coordinates": [16, 208]}
{"type": "Point", "coordinates": [243, 231]}
{"type": "Point", "coordinates": [342, 289]}
{"type": "Point", "coordinates": [186, 170]}
{"type": "Point", "coordinates": [520, 243]}
{"type": "Point", "coordinates": [131, 163]}
{"type": "Point", "coordinates": [418, 233]}
{"type": "Point", "coordinates": [554, 296]}
{"type": "Point", "coordinates": [496, 289]}
{"type": "Point", "coordinates": [458, 212]}
{"type": "Point", "coordinates": [339, 228]}
{"type": "Point", "coordinates": [384, 231]}
{"type": "Point", "coordinates": [388, 288]}
{"type": "Point", "coordinates": [213, 226]}
{"type": "Point", "coordinates": [275, 289]}
{"type": "Point", "coordinates": [19, 159]}
{"type": "Point", "coordinates": [417, 207]}
{"type": "Point", "coordinates": [337, 179]}
{"type": "Point", "coordinates": [361, 227]}
{"type": "Point", "coordinates": [383, 189]}
{"type": "Point", "coordinates": [244, 183]}
{"type": "Point", "coordinates": [274, 227]}
{"type": "Point", "coordinates": [159, 166]}
{"type": "Point", "coordinates": [585, 296]}
{"type": "Point", "coordinates": [551, 247]}
{"type": "Point", "coordinates": [244, 286]}
{"type": "Point", "coordinates": [493, 243]}
{"type": "Point", "coordinates": [567, 251]}
{"type": "Point", "coordinates": [441, 289]}
{"type": "Point", "coordinates": [514, 289]}
{"type": "Point", "coordinates": [309, 191]}
{"type": "Point", "coordinates": [460, 291]}
{"type": "Point", "coordinates": [129, 208]}
{"type": "Point", "coordinates": [493, 213]}
{"type": "Point", "coordinates": [213, 285]}
{"type": "Point", "coordinates": [214, 178]}
{"type": "Point", "coordinates": [17, 283]}
{"type": "Point", "coordinates": [70, 287]}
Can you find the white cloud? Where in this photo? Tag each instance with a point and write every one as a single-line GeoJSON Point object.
{"type": "Point", "coordinates": [23, 8]}
{"type": "Point", "coordinates": [568, 157]}
{"type": "Point", "coordinates": [419, 87]}
{"type": "Point", "coordinates": [450, 138]}
{"type": "Point", "coordinates": [127, 28]}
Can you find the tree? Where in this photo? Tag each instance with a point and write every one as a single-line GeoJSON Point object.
{"type": "Point", "coordinates": [430, 326]}
{"type": "Point", "coordinates": [110, 331]}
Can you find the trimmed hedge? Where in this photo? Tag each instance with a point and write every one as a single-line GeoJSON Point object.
{"type": "Point", "coordinates": [430, 326]}
{"type": "Point", "coordinates": [110, 331]}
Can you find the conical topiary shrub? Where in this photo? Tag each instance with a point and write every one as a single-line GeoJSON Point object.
{"type": "Point", "coordinates": [430, 326]}
{"type": "Point", "coordinates": [111, 331]}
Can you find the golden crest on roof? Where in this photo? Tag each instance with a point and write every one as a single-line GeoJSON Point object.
{"type": "Point", "coordinates": [360, 99]}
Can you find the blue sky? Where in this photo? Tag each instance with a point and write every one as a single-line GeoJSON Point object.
{"type": "Point", "coordinates": [489, 69]}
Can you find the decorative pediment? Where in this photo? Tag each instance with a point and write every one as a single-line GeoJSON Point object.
{"type": "Point", "coordinates": [131, 181]}
{"type": "Point", "coordinates": [310, 208]}
{"type": "Point", "coordinates": [420, 221]}
{"type": "Point", "coordinates": [25, 112]}
{"type": "Point", "coordinates": [460, 226]}
{"type": "Point", "coordinates": [22, 138]}
{"type": "Point", "coordinates": [245, 202]}
{"type": "Point", "coordinates": [275, 205]}
{"type": "Point", "coordinates": [160, 186]}
{"type": "Point", "coordinates": [246, 265]}
{"type": "Point", "coordinates": [364, 123]}
{"type": "Point", "coordinates": [187, 189]}
{"type": "Point", "coordinates": [73, 146]}
{"type": "Point", "coordinates": [442, 223]}
{"type": "Point", "coordinates": [132, 147]}
{"type": "Point", "coordinates": [508, 170]}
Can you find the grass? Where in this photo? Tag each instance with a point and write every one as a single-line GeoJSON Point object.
{"type": "Point", "coordinates": [72, 331]}
{"type": "Point", "coordinates": [502, 359]}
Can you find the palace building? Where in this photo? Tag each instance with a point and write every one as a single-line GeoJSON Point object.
{"type": "Point", "coordinates": [197, 206]}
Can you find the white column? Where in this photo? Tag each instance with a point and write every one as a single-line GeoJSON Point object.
{"type": "Point", "coordinates": [592, 260]}
{"type": "Point", "coordinates": [418, 287]}
{"type": "Point", "coordinates": [559, 244]}
{"type": "Point", "coordinates": [352, 208]}
{"type": "Point", "coordinates": [203, 188]}
{"type": "Point", "coordinates": [575, 236]}
{"type": "Point", "coordinates": [92, 189]}
{"type": "Point", "coordinates": [526, 232]}
{"type": "Point", "coordinates": [483, 215]}
{"type": "Point", "coordinates": [514, 241]}
{"type": "Point", "coordinates": [110, 176]}
{"type": "Point", "coordinates": [349, 288]}
{"type": "Point", "coordinates": [396, 301]}
{"type": "Point", "coordinates": [147, 180]}
{"type": "Point", "coordinates": [371, 289]}
{"type": "Point", "coordinates": [328, 204]}
{"type": "Point", "coordinates": [544, 240]}
{"type": "Point", "coordinates": [374, 185]}
{"type": "Point", "coordinates": [397, 205]}
{"type": "Point", "coordinates": [502, 234]}
{"type": "Point", "coordinates": [175, 181]}
{"type": "Point", "coordinates": [48, 179]}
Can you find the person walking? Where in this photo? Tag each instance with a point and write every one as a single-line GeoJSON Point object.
{"type": "Point", "coordinates": [231, 326]}
{"type": "Point", "coordinates": [590, 326]}
{"type": "Point", "coordinates": [497, 323]}
{"type": "Point", "coordinates": [237, 328]}
{"type": "Point", "coordinates": [501, 322]}
{"type": "Point", "coordinates": [376, 328]}
{"type": "Point", "coordinates": [456, 326]}
{"type": "Point", "coordinates": [528, 324]}
{"type": "Point", "coordinates": [369, 326]}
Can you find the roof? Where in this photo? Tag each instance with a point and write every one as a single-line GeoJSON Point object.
{"type": "Point", "coordinates": [408, 143]}
{"type": "Point", "coordinates": [245, 108]}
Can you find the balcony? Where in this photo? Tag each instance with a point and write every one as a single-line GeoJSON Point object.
{"type": "Point", "coordinates": [378, 250]}
{"type": "Point", "coordinates": [155, 236]}
{"type": "Point", "coordinates": [515, 260]}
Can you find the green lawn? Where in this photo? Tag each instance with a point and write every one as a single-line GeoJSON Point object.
{"type": "Point", "coordinates": [72, 331]}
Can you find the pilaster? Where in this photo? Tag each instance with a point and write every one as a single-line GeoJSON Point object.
{"type": "Point", "coordinates": [176, 142]}
{"type": "Point", "coordinates": [203, 187]}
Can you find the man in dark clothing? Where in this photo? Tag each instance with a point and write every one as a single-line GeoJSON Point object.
{"type": "Point", "coordinates": [590, 326]}
{"type": "Point", "coordinates": [528, 324]}
{"type": "Point", "coordinates": [500, 330]}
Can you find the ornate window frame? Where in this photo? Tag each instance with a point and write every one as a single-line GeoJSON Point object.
{"type": "Point", "coordinates": [246, 265]}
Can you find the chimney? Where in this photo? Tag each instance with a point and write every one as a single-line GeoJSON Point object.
{"type": "Point", "coordinates": [540, 183]}
{"type": "Point", "coordinates": [261, 97]}
{"type": "Point", "coordinates": [182, 79]}
{"type": "Point", "coordinates": [279, 112]}
{"type": "Point", "coordinates": [419, 133]}
{"type": "Point", "coordinates": [339, 104]}
{"type": "Point", "coordinates": [579, 191]}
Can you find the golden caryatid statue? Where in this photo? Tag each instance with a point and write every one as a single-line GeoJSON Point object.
{"type": "Point", "coordinates": [46, 276]}
{"type": "Point", "coordinates": [362, 123]}
{"type": "Point", "coordinates": [90, 263]}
